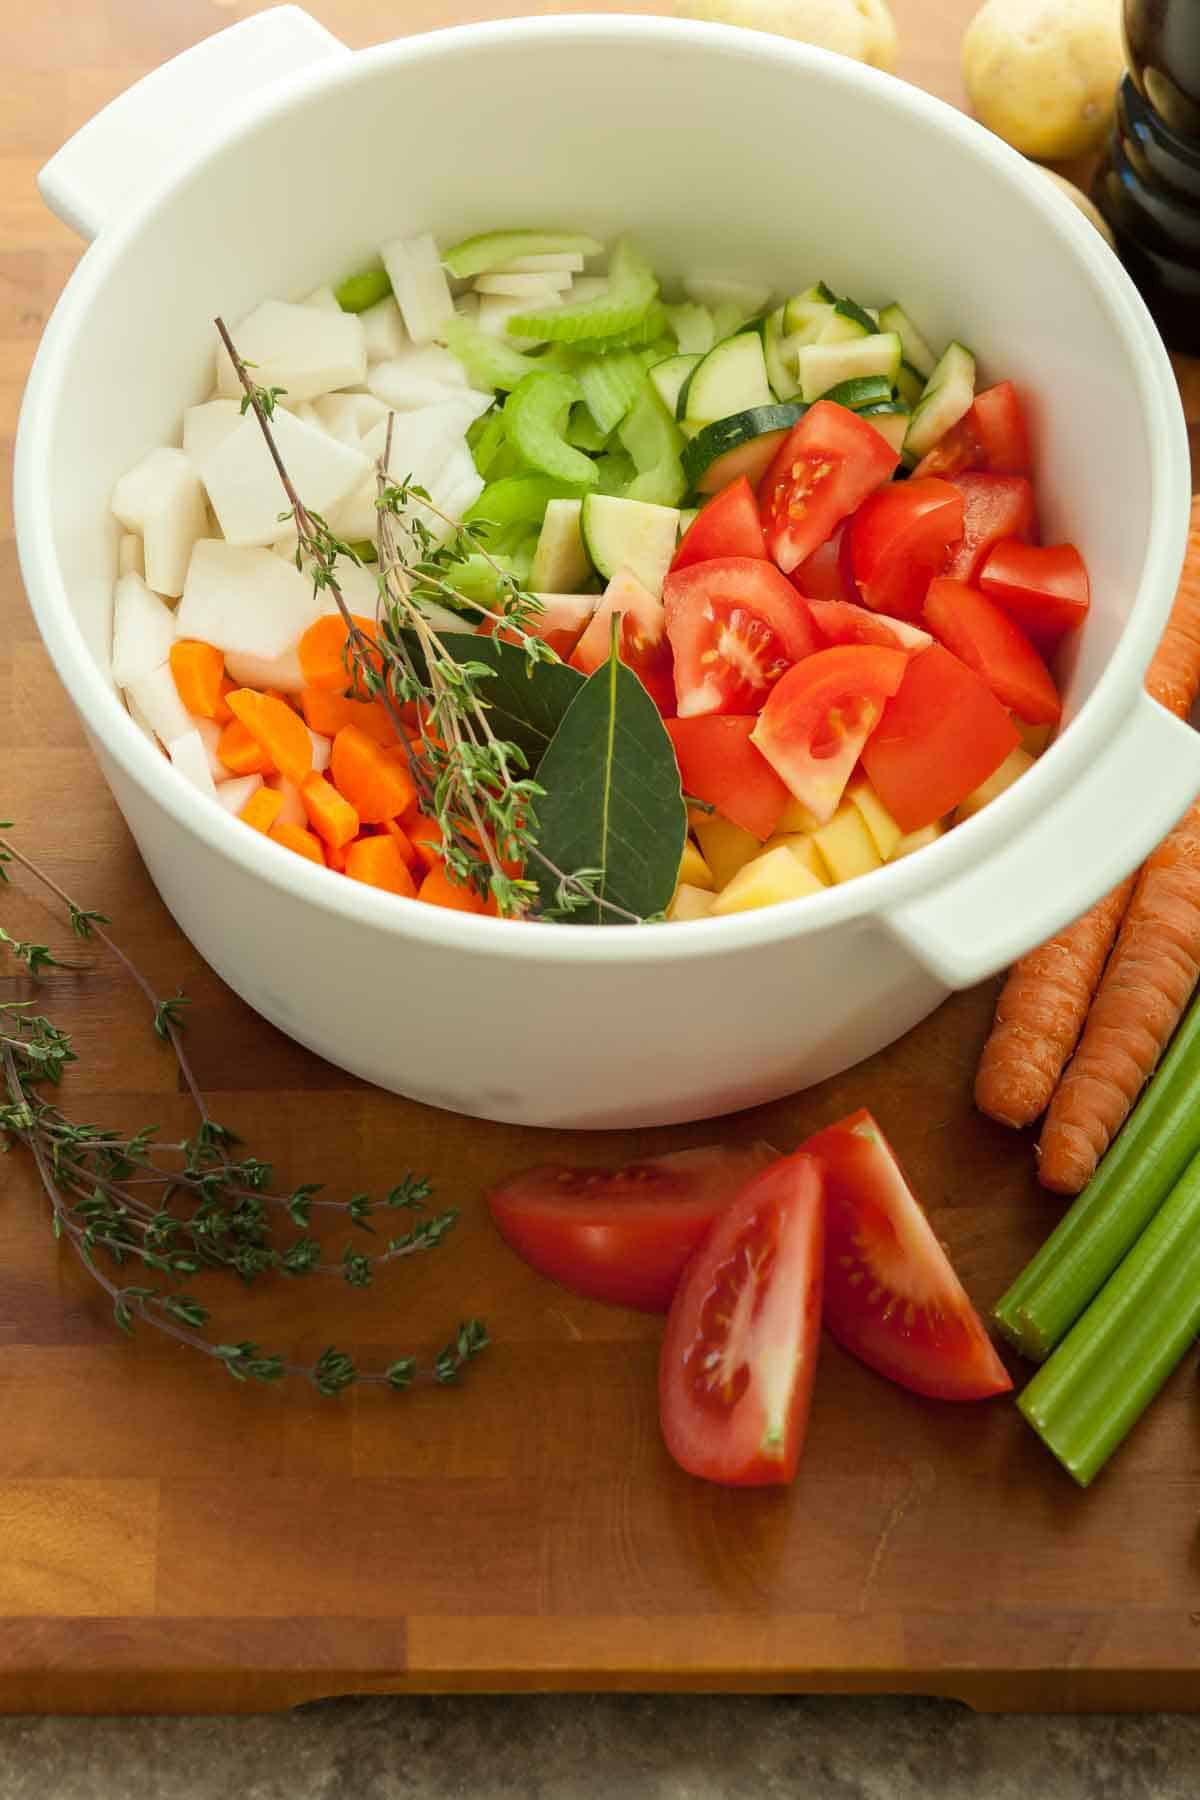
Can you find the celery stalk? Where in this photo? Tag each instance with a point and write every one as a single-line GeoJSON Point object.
{"type": "Point", "coordinates": [631, 292]}
{"type": "Point", "coordinates": [367, 288]}
{"type": "Point", "coordinates": [1158, 1141]}
{"type": "Point", "coordinates": [535, 420]}
{"type": "Point", "coordinates": [1102, 1377]}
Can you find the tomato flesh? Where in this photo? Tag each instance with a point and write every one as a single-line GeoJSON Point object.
{"type": "Point", "coordinates": [992, 434]}
{"type": "Point", "coordinates": [900, 538]}
{"type": "Point", "coordinates": [740, 1350]}
{"type": "Point", "coordinates": [891, 1296]}
{"type": "Point", "coordinates": [735, 626]}
{"type": "Point", "coordinates": [727, 525]}
{"type": "Point", "coordinates": [719, 764]}
{"type": "Point", "coordinates": [994, 507]}
{"type": "Point", "coordinates": [839, 622]}
{"type": "Point", "coordinates": [825, 467]}
{"type": "Point", "coordinates": [644, 646]}
{"type": "Point", "coordinates": [941, 735]}
{"type": "Point", "coordinates": [826, 574]}
{"type": "Point", "coordinates": [983, 636]}
{"type": "Point", "coordinates": [1044, 588]}
{"type": "Point", "coordinates": [623, 1235]}
{"type": "Point", "coordinates": [561, 623]}
{"type": "Point", "coordinates": [820, 715]}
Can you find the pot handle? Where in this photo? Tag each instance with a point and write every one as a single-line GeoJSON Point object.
{"type": "Point", "coordinates": [97, 173]}
{"type": "Point", "coordinates": [1117, 809]}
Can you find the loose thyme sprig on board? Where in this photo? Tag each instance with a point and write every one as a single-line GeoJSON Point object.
{"type": "Point", "coordinates": [175, 1209]}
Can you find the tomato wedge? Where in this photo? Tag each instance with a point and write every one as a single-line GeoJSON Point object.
{"type": "Point", "coordinates": [900, 538]}
{"type": "Point", "coordinates": [891, 1297]}
{"type": "Point", "coordinates": [994, 507]}
{"type": "Point", "coordinates": [983, 636]}
{"type": "Point", "coordinates": [560, 623]}
{"type": "Point", "coordinates": [942, 734]}
{"type": "Point", "coordinates": [992, 434]}
{"type": "Point", "coordinates": [826, 574]}
{"type": "Point", "coordinates": [839, 622]}
{"type": "Point", "coordinates": [818, 717]}
{"type": "Point", "coordinates": [644, 646]}
{"type": "Point", "coordinates": [740, 1351]}
{"type": "Point", "coordinates": [719, 764]}
{"type": "Point", "coordinates": [735, 625]}
{"type": "Point", "coordinates": [727, 525]}
{"type": "Point", "coordinates": [825, 467]}
{"type": "Point", "coordinates": [622, 1235]}
{"type": "Point", "coordinates": [1045, 588]}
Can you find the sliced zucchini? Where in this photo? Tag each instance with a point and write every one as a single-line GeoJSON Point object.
{"type": "Point", "coordinates": [861, 392]}
{"type": "Point", "coordinates": [780, 374]}
{"type": "Point", "coordinates": [805, 315]}
{"type": "Point", "coordinates": [948, 393]}
{"type": "Point", "coordinates": [890, 419]}
{"type": "Point", "coordinates": [823, 366]}
{"type": "Point", "coordinates": [687, 518]}
{"type": "Point", "coordinates": [535, 421]}
{"type": "Point", "coordinates": [916, 351]}
{"type": "Point", "coordinates": [909, 385]}
{"type": "Point", "coordinates": [629, 534]}
{"type": "Point", "coordinates": [668, 377]}
{"type": "Point", "coordinates": [732, 378]}
{"type": "Point", "coordinates": [560, 562]}
{"type": "Point", "coordinates": [747, 298]}
{"type": "Point", "coordinates": [693, 328]}
{"type": "Point", "coordinates": [729, 319]}
{"type": "Point", "coordinates": [493, 249]}
{"type": "Point", "coordinates": [858, 315]}
{"type": "Point", "coordinates": [740, 445]}
{"type": "Point", "coordinates": [631, 292]}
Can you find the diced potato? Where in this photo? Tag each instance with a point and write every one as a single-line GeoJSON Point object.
{"type": "Point", "coordinates": [143, 630]}
{"type": "Point", "coordinates": [1034, 738]}
{"type": "Point", "coordinates": [423, 443]}
{"type": "Point", "coordinates": [245, 601]}
{"type": "Point", "coordinates": [243, 482]}
{"type": "Point", "coordinates": [303, 349]}
{"type": "Point", "coordinates": [802, 846]}
{"type": "Point", "coordinates": [280, 672]}
{"type": "Point", "coordinates": [158, 704]}
{"type": "Point", "coordinates": [847, 847]}
{"type": "Point", "coordinates": [204, 427]}
{"type": "Point", "coordinates": [131, 559]}
{"type": "Point", "coordinates": [419, 375]}
{"type": "Point", "coordinates": [161, 497]}
{"type": "Point", "coordinates": [349, 417]}
{"type": "Point", "coordinates": [190, 757]}
{"type": "Point", "coordinates": [690, 903]}
{"type": "Point", "coordinates": [796, 817]}
{"type": "Point", "coordinates": [419, 285]}
{"type": "Point", "coordinates": [322, 749]}
{"type": "Point", "coordinates": [765, 880]}
{"type": "Point", "coordinates": [693, 870]}
{"type": "Point", "coordinates": [383, 330]}
{"type": "Point", "coordinates": [917, 840]}
{"type": "Point", "coordinates": [726, 847]}
{"type": "Point", "coordinates": [292, 811]}
{"type": "Point", "coordinates": [1011, 769]}
{"type": "Point", "coordinates": [233, 794]}
{"type": "Point", "coordinates": [885, 832]}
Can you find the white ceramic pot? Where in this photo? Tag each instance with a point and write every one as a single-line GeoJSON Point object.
{"type": "Point", "coordinates": [270, 159]}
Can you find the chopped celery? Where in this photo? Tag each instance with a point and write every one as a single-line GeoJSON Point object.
{"type": "Point", "coordinates": [488, 440]}
{"type": "Point", "coordinates": [615, 472]}
{"type": "Point", "coordinates": [1116, 1357]}
{"type": "Point", "coordinates": [535, 419]}
{"type": "Point", "coordinates": [494, 249]}
{"type": "Point", "coordinates": [365, 550]}
{"type": "Point", "coordinates": [489, 361]}
{"type": "Point", "coordinates": [693, 328]}
{"type": "Point", "coordinates": [655, 442]}
{"type": "Point", "coordinates": [631, 292]}
{"type": "Point", "coordinates": [520, 499]}
{"type": "Point", "coordinates": [475, 578]}
{"type": "Point", "coordinates": [583, 431]}
{"type": "Point", "coordinates": [610, 386]}
{"type": "Point", "coordinates": [367, 288]}
{"type": "Point", "coordinates": [645, 334]}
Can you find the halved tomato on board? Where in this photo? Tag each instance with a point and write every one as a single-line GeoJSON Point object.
{"type": "Point", "coordinates": [622, 1235]}
{"type": "Point", "coordinates": [992, 434]}
{"type": "Point", "coordinates": [1044, 587]}
{"type": "Point", "coordinates": [819, 716]}
{"type": "Point", "coordinates": [735, 626]}
{"type": "Point", "coordinates": [891, 1297]}
{"type": "Point", "coordinates": [644, 647]}
{"type": "Point", "coordinates": [839, 622]}
{"type": "Point", "coordinates": [824, 468]}
{"type": "Point", "coordinates": [994, 507]}
{"type": "Point", "coordinates": [561, 622]}
{"type": "Point", "coordinates": [727, 525]}
{"type": "Point", "coordinates": [740, 1351]}
{"type": "Point", "coordinates": [983, 636]}
{"type": "Point", "coordinates": [719, 764]}
{"type": "Point", "coordinates": [900, 538]}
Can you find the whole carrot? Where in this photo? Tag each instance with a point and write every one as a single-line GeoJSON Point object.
{"type": "Point", "coordinates": [1150, 978]}
{"type": "Point", "coordinates": [1173, 678]}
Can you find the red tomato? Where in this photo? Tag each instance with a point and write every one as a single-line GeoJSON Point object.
{"type": "Point", "coordinates": [824, 468]}
{"type": "Point", "coordinates": [735, 625]}
{"type": "Point", "coordinates": [995, 507]}
{"type": "Point", "coordinates": [727, 525]}
{"type": "Point", "coordinates": [1044, 588]}
{"type": "Point", "coordinates": [826, 574]}
{"type": "Point", "coordinates": [719, 764]}
{"type": "Point", "coordinates": [818, 717]}
{"type": "Point", "coordinates": [942, 734]}
{"type": "Point", "coordinates": [983, 636]}
{"type": "Point", "coordinates": [841, 623]}
{"type": "Point", "coordinates": [992, 434]}
{"type": "Point", "coordinates": [560, 623]}
{"type": "Point", "coordinates": [644, 646]}
{"type": "Point", "coordinates": [622, 1235]}
{"type": "Point", "coordinates": [740, 1351]}
{"type": "Point", "coordinates": [900, 538]}
{"type": "Point", "coordinates": [891, 1296]}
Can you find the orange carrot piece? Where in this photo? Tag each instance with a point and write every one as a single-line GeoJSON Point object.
{"type": "Point", "coordinates": [333, 819]}
{"type": "Point", "coordinates": [437, 889]}
{"type": "Point", "coordinates": [1173, 678]}
{"type": "Point", "coordinates": [377, 786]}
{"type": "Point", "coordinates": [379, 862]}
{"type": "Point", "coordinates": [425, 836]}
{"type": "Point", "coordinates": [224, 712]}
{"type": "Point", "coordinates": [327, 713]}
{"type": "Point", "coordinates": [335, 858]}
{"type": "Point", "coordinates": [294, 837]}
{"type": "Point", "coordinates": [1150, 978]}
{"type": "Point", "coordinates": [1041, 1012]}
{"type": "Point", "coordinates": [262, 809]}
{"type": "Point", "coordinates": [199, 669]}
{"type": "Point", "coordinates": [325, 659]}
{"type": "Point", "coordinates": [402, 841]}
{"type": "Point", "coordinates": [276, 729]}
{"type": "Point", "coordinates": [241, 753]}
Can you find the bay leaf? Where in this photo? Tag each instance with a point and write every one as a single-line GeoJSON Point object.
{"type": "Point", "coordinates": [526, 705]}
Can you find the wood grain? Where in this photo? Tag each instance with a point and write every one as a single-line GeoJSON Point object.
{"type": "Point", "coordinates": [170, 1541]}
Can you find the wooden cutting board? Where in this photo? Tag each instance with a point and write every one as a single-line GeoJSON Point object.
{"type": "Point", "coordinates": [171, 1541]}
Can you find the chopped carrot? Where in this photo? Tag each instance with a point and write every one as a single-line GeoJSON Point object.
{"type": "Point", "coordinates": [402, 841]}
{"type": "Point", "coordinates": [333, 819]}
{"type": "Point", "coordinates": [1173, 678]}
{"type": "Point", "coordinates": [224, 712]}
{"type": "Point", "coordinates": [241, 753]}
{"type": "Point", "coordinates": [294, 837]}
{"type": "Point", "coordinates": [437, 889]}
{"type": "Point", "coordinates": [325, 658]}
{"type": "Point", "coordinates": [376, 786]}
{"type": "Point", "coordinates": [335, 858]}
{"type": "Point", "coordinates": [425, 836]}
{"type": "Point", "coordinates": [262, 808]}
{"type": "Point", "coordinates": [276, 729]}
{"type": "Point", "coordinates": [198, 669]}
{"type": "Point", "coordinates": [327, 713]}
{"type": "Point", "coordinates": [379, 862]}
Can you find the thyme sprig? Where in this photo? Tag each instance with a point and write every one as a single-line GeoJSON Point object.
{"type": "Point", "coordinates": [172, 1210]}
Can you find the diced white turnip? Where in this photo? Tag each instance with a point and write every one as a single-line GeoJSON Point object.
{"type": "Point", "coordinates": [383, 330]}
{"type": "Point", "coordinates": [566, 261]}
{"type": "Point", "coordinates": [533, 288]}
{"type": "Point", "coordinates": [281, 672]}
{"type": "Point", "coordinates": [161, 497]}
{"type": "Point", "coordinates": [359, 588]}
{"type": "Point", "coordinates": [189, 756]}
{"type": "Point", "coordinates": [143, 630]}
{"type": "Point", "coordinates": [423, 375]}
{"type": "Point", "coordinates": [234, 794]}
{"type": "Point", "coordinates": [245, 601]}
{"type": "Point", "coordinates": [139, 718]}
{"type": "Point", "coordinates": [292, 811]}
{"type": "Point", "coordinates": [209, 733]}
{"type": "Point", "coordinates": [349, 417]}
{"type": "Point", "coordinates": [131, 558]}
{"type": "Point", "coordinates": [323, 298]}
{"type": "Point", "coordinates": [302, 349]}
{"type": "Point", "coordinates": [322, 749]}
{"type": "Point", "coordinates": [206, 425]}
{"type": "Point", "coordinates": [157, 699]}
{"type": "Point", "coordinates": [308, 415]}
{"type": "Point", "coordinates": [419, 284]}
{"type": "Point", "coordinates": [243, 483]}
{"type": "Point", "coordinates": [458, 486]}
{"type": "Point", "coordinates": [422, 443]}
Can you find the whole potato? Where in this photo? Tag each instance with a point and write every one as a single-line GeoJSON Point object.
{"type": "Point", "coordinates": [863, 29]}
{"type": "Point", "coordinates": [1043, 74]}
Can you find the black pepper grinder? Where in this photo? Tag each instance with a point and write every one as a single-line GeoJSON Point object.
{"type": "Point", "coordinates": [1148, 186]}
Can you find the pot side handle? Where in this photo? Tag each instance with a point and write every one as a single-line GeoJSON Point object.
{"type": "Point", "coordinates": [97, 173]}
{"type": "Point", "coordinates": [1117, 809]}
